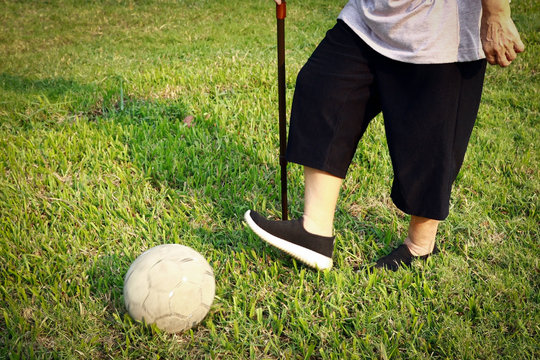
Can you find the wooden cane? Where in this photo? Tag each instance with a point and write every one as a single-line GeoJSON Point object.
{"type": "Point", "coordinates": [280, 15]}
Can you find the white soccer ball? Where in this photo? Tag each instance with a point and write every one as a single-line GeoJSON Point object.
{"type": "Point", "coordinates": [169, 285]}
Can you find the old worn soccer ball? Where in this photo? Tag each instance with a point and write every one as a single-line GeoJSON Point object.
{"type": "Point", "coordinates": [171, 286]}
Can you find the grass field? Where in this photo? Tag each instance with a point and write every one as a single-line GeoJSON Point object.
{"type": "Point", "coordinates": [98, 163]}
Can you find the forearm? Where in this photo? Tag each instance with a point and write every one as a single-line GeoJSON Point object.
{"type": "Point", "coordinates": [496, 7]}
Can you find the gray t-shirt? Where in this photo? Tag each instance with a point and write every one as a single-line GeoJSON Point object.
{"type": "Point", "coordinates": [418, 31]}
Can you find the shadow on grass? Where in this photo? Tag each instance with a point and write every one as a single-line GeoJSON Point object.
{"type": "Point", "coordinates": [217, 175]}
{"type": "Point", "coordinates": [193, 156]}
{"type": "Point", "coordinates": [48, 100]}
{"type": "Point", "coordinates": [53, 88]}
{"type": "Point", "coordinates": [216, 170]}
{"type": "Point", "coordinates": [58, 92]}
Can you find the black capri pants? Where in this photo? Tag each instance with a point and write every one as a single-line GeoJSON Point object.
{"type": "Point", "coordinates": [429, 111]}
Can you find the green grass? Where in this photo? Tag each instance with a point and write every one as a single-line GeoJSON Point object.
{"type": "Point", "coordinates": [97, 165]}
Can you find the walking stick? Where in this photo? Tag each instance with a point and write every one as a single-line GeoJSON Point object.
{"type": "Point", "coordinates": [280, 15]}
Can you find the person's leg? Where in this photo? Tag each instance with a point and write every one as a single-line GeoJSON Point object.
{"type": "Point", "coordinates": [308, 239]}
{"type": "Point", "coordinates": [421, 239]}
{"type": "Point", "coordinates": [429, 113]}
{"type": "Point", "coordinates": [333, 103]}
{"type": "Point", "coordinates": [419, 244]}
{"type": "Point", "coordinates": [320, 199]}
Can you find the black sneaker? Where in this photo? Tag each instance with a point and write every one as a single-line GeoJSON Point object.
{"type": "Point", "coordinates": [291, 237]}
{"type": "Point", "coordinates": [400, 256]}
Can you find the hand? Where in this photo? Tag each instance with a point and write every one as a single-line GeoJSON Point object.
{"type": "Point", "coordinates": [278, 2]}
{"type": "Point", "coordinates": [500, 38]}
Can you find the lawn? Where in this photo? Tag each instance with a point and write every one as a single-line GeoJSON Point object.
{"type": "Point", "coordinates": [129, 124]}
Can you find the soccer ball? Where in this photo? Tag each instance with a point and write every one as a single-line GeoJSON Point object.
{"type": "Point", "coordinates": [171, 286]}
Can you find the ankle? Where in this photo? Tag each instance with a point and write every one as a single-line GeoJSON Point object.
{"type": "Point", "coordinates": [420, 249]}
{"type": "Point", "coordinates": [316, 227]}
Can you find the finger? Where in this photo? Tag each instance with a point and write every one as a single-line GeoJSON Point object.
{"type": "Point", "coordinates": [502, 61]}
{"type": "Point", "coordinates": [519, 46]}
{"type": "Point", "coordinates": [491, 59]}
{"type": "Point", "coordinates": [497, 57]}
{"type": "Point", "coordinates": [510, 54]}
{"type": "Point", "coordinates": [503, 55]}
{"type": "Point", "coordinates": [489, 53]}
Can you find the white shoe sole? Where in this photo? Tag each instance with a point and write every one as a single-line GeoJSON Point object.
{"type": "Point", "coordinates": [308, 257]}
